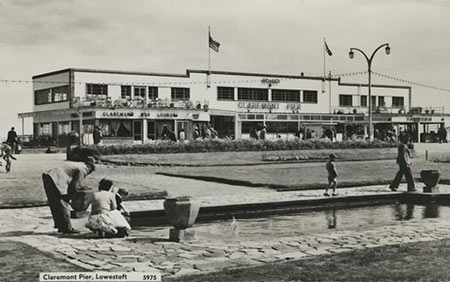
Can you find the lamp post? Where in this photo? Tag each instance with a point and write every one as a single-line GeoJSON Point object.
{"type": "Point", "coordinates": [369, 63]}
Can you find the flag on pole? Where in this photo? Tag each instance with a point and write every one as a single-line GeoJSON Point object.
{"type": "Point", "coordinates": [213, 44]}
{"type": "Point", "coordinates": [328, 49]}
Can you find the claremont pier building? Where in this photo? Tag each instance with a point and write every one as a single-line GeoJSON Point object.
{"type": "Point", "coordinates": [134, 107]}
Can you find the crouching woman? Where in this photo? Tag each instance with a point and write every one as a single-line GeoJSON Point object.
{"type": "Point", "coordinates": [105, 219]}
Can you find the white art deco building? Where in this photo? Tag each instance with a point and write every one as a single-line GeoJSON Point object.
{"type": "Point", "coordinates": [133, 107]}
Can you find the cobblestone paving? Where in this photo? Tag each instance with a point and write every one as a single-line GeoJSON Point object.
{"type": "Point", "coordinates": [150, 251]}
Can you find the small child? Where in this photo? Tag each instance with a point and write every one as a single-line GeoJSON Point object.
{"type": "Point", "coordinates": [121, 194]}
{"type": "Point", "coordinates": [332, 175]}
{"type": "Point", "coordinates": [6, 152]}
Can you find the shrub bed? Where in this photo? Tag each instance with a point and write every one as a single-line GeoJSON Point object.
{"type": "Point", "coordinates": [220, 145]}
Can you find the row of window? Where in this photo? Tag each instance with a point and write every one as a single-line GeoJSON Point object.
{"type": "Point", "coordinates": [347, 101]}
{"type": "Point", "coordinates": [51, 95]}
{"type": "Point", "coordinates": [177, 93]}
{"type": "Point", "coordinates": [262, 94]}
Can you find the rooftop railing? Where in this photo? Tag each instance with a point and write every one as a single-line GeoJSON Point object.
{"type": "Point", "coordinates": [137, 103]}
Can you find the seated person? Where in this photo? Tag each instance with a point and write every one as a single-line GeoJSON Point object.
{"type": "Point", "coordinates": [105, 219]}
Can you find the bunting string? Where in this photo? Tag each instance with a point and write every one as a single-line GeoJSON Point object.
{"type": "Point", "coordinates": [222, 82]}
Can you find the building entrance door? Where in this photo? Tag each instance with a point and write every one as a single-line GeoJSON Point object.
{"type": "Point", "coordinates": [185, 126]}
{"type": "Point", "coordinates": [137, 130]}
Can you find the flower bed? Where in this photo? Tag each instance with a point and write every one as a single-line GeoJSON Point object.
{"type": "Point", "coordinates": [220, 145]}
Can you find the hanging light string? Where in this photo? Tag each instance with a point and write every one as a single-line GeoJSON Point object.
{"type": "Point", "coordinates": [220, 82]}
{"type": "Point", "coordinates": [350, 74]}
{"type": "Point", "coordinates": [411, 82]}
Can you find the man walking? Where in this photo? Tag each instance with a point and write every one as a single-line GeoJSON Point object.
{"type": "Point", "coordinates": [404, 163]}
{"type": "Point", "coordinates": [61, 184]}
{"type": "Point", "coordinates": [12, 139]}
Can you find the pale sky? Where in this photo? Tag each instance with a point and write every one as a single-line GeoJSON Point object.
{"type": "Point", "coordinates": [272, 36]}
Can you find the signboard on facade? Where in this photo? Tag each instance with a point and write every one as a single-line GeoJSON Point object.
{"type": "Point", "coordinates": [416, 119]}
{"type": "Point", "coordinates": [258, 105]}
{"type": "Point", "coordinates": [270, 81]}
{"type": "Point", "coordinates": [268, 106]}
{"type": "Point", "coordinates": [118, 114]}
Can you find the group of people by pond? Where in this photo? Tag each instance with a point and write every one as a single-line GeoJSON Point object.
{"type": "Point", "coordinates": [65, 190]}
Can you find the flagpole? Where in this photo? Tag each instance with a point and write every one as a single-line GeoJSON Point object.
{"type": "Point", "coordinates": [209, 58]}
{"type": "Point", "coordinates": [324, 51]}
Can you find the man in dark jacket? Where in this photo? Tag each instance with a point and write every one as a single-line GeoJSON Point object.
{"type": "Point", "coordinates": [12, 139]}
{"type": "Point", "coordinates": [404, 163]}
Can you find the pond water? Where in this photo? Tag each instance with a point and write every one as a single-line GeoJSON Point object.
{"type": "Point", "coordinates": [310, 222]}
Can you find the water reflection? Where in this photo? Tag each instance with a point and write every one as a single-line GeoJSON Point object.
{"type": "Point", "coordinates": [331, 219]}
{"type": "Point", "coordinates": [401, 213]}
{"type": "Point", "coordinates": [431, 210]}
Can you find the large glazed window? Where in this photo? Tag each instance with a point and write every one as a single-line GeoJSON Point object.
{"type": "Point", "coordinates": [284, 95]}
{"type": "Point", "coordinates": [96, 91]}
{"type": "Point", "coordinates": [310, 96]}
{"type": "Point", "coordinates": [345, 100]}
{"type": "Point", "coordinates": [225, 93]}
{"type": "Point", "coordinates": [253, 94]}
{"type": "Point", "coordinates": [398, 102]}
{"type": "Point", "coordinates": [180, 94]}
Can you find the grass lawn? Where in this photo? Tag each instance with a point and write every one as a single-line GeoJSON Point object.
{"type": "Point", "coordinates": [23, 185]}
{"type": "Point", "coordinates": [310, 174]}
{"type": "Point", "coordinates": [424, 261]}
{"type": "Point", "coordinates": [241, 158]}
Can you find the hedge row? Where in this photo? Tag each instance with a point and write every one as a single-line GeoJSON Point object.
{"type": "Point", "coordinates": [220, 145]}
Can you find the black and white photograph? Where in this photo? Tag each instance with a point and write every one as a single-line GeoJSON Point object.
{"type": "Point", "coordinates": [239, 140]}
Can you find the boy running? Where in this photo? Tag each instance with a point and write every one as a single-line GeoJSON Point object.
{"type": "Point", "coordinates": [6, 152]}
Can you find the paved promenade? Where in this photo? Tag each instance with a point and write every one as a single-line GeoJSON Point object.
{"type": "Point", "coordinates": [148, 250]}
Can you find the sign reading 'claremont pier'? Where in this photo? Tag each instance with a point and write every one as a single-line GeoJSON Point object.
{"type": "Point", "coordinates": [267, 106]}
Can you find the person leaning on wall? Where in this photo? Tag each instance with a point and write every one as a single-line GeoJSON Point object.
{"type": "Point", "coordinates": [61, 185]}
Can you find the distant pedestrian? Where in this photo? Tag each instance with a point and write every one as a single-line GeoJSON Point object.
{"type": "Point", "coordinates": [332, 175]}
{"type": "Point", "coordinates": [12, 139]}
{"type": "Point", "coordinates": [404, 163]}
{"type": "Point", "coordinates": [182, 135]}
{"type": "Point", "coordinates": [97, 135]}
{"type": "Point", "coordinates": [196, 133]}
{"type": "Point", "coordinates": [262, 133]}
{"type": "Point", "coordinates": [253, 134]}
{"type": "Point", "coordinates": [61, 184]}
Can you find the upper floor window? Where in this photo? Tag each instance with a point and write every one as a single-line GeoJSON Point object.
{"type": "Point", "coordinates": [125, 92]}
{"type": "Point", "coordinates": [381, 101]}
{"type": "Point", "coordinates": [363, 101]}
{"type": "Point", "coordinates": [310, 96]}
{"type": "Point", "coordinates": [374, 102]}
{"type": "Point", "coordinates": [253, 94]}
{"type": "Point", "coordinates": [398, 102]}
{"type": "Point", "coordinates": [180, 93]}
{"type": "Point", "coordinates": [152, 93]}
{"type": "Point", "coordinates": [60, 94]}
{"type": "Point", "coordinates": [225, 93]}
{"type": "Point", "coordinates": [345, 100]}
{"type": "Point", "coordinates": [283, 95]}
{"type": "Point", "coordinates": [96, 89]}
{"type": "Point", "coordinates": [51, 95]}
{"type": "Point", "coordinates": [139, 92]}
{"type": "Point", "coordinates": [42, 96]}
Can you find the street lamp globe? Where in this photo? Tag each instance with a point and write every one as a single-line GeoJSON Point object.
{"type": "Point", "coordinates": [351, 54]}
{"type": "Point", "coordinates": [388, 50]}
